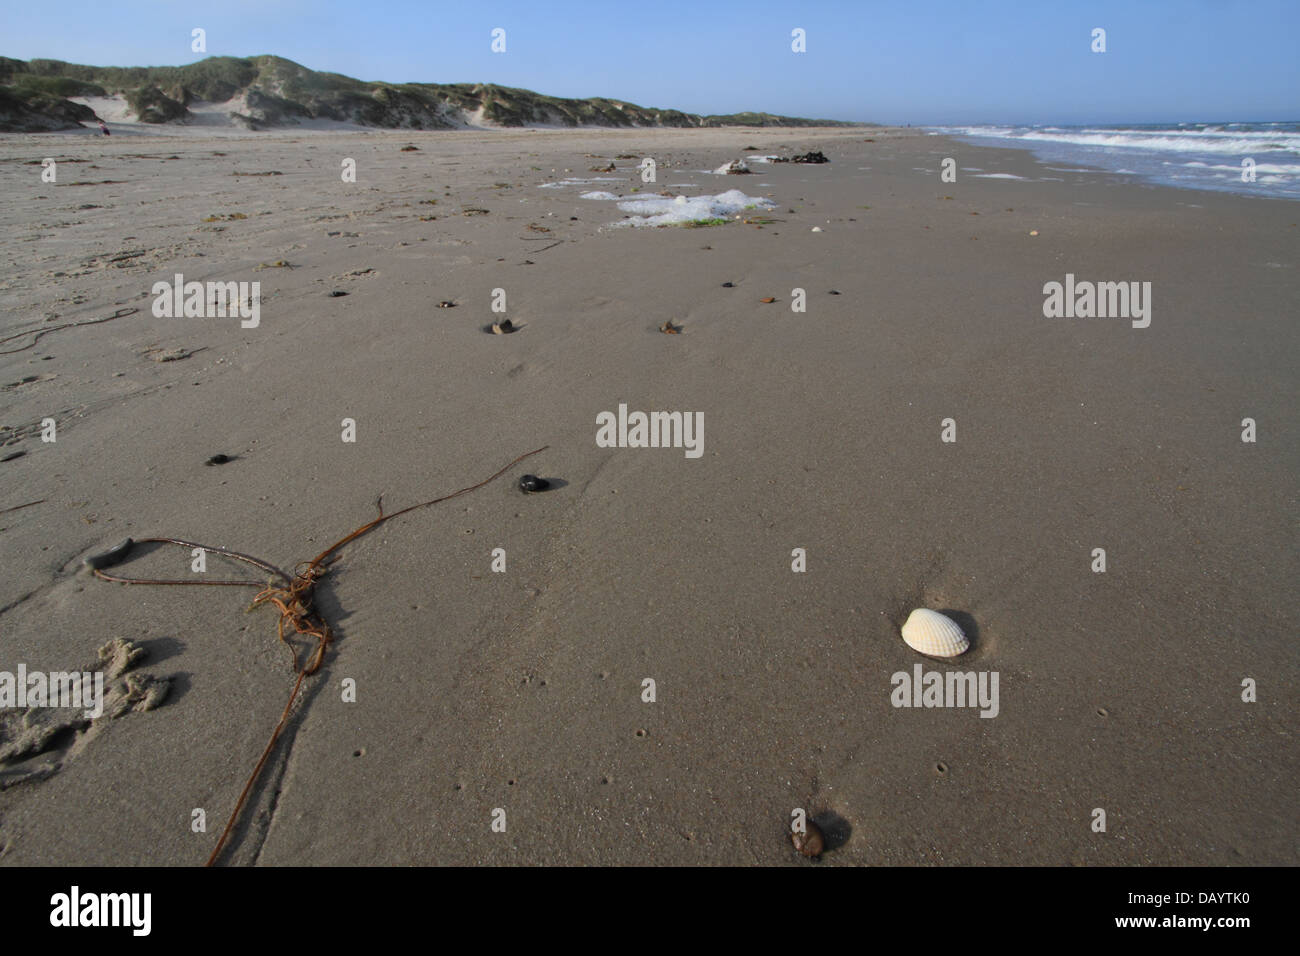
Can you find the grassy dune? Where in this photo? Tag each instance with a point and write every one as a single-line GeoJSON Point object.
{"type": "Point", "coordinates": [278, 92]}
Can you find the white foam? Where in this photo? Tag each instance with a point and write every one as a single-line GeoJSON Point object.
{"type": "Point", "coordinates": [730, 168]}
{"type": "Point", "coordinates": [574, 181]}
{"type": "Point", "coordinates": [1286, 169]}
{"type": "Point", "coordinates": [662, 211]}
{"type": "Point", "coordinates": [999, 176]}
{"type": "Point", "coordinates": [1190, 141]}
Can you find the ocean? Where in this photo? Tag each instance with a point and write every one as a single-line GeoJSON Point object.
{"type": "Point", "coordinates": [1188, 155]}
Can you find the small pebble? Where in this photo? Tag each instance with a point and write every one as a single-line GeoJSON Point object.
{"type": "Point", "coordinates": [218, 460]}
{"type": "Point", "coordinates": [531, 483]}
{"type": "Point", "coordinates": [336, 293]}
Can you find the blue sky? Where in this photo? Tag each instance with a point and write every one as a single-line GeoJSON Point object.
{"type": "Point", "coordinates": [904, 61]}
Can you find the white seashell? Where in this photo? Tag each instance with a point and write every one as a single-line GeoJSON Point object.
{"type": "Point", "coordinates": [930, 633]}
{"type": "Point", "coordinates": [816, 228]}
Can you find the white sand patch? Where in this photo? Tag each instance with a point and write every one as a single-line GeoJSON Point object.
{"type": "Point", "coordinates": [111, 109]}
{"type": "Point", "coordinates": [217, 114]}
{"type": "Point", "coordinates": [206, 117]}
{"type": "Point", "coordinates": [473, 119]}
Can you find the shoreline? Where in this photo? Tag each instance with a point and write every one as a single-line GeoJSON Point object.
{"type": "Point", "coordinates": [330, 128]}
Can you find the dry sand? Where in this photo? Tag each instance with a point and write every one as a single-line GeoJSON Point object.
{"type": "Point", "coordinates": [522, 691]}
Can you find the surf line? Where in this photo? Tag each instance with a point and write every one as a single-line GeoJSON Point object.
{"type": "Point", "coordinates": [683, 430]}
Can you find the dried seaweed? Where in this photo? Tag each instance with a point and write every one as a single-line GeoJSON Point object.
{"type": "Point", "coordinates": [37, 333]}
{"type": "Point", "coordinates": [292, 594]}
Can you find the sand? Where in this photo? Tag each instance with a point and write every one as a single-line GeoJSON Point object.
{"type": "Point", "coordinates": [522, 690]}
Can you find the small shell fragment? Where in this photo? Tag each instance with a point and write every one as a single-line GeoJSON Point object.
{"type": "Point", "coordinates": [112, 556]}
{"type": "Point", "coordinates": [812, 843]}
{"type": "Point", "coordinates": [669, 329]}
{"type": "Point", "coordinates": [505, 327]}
{"type": "Point", "coordinates": [768, 301]}
{"type": "Point", "coordinates": [531, 484]}
{"type": "Point", "coordinates": [933, 634]}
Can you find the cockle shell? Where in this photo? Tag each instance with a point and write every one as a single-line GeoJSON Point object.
{"type": "Point", "coordinates": [933, 634]}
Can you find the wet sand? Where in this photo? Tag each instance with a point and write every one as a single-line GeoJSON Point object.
{"type": "Point", "coordinates": [522, 690]}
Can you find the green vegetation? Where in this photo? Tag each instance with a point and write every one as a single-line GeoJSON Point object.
{"type": "Point", "coordinates": [57, 85]}
{"type": "Point", "coordinates": [280, 92]}
{"type": "Point", "coordinates": [24, 110]}
{"type": "Point", "coordinates": [152, 105]}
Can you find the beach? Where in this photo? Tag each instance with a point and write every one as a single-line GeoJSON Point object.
{"type": "Point", "coordinates": [920, 429]}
